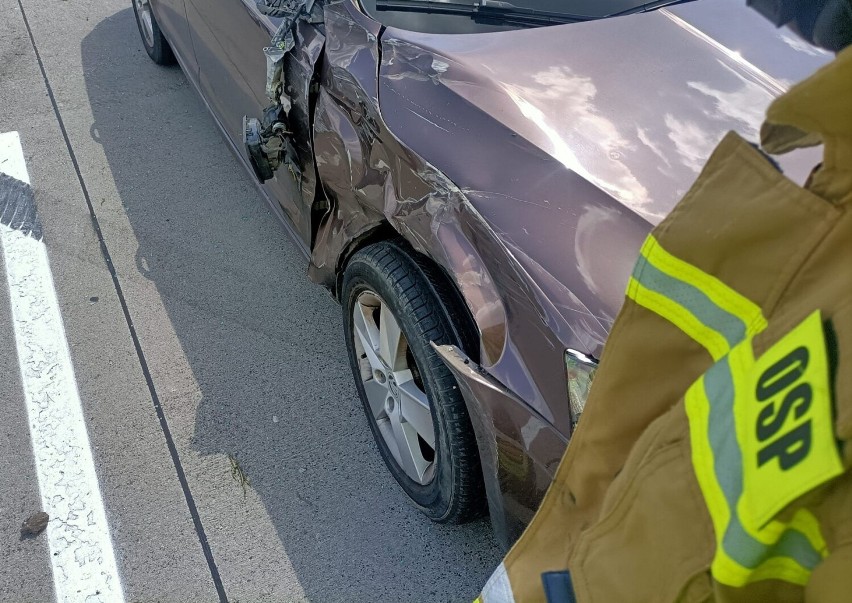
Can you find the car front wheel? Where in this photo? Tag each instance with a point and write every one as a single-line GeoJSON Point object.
{"type": "Point", "coordinates": [394, 306]}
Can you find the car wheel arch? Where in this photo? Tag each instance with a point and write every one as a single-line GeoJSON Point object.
{"type": "Point", "coordinates": [458, 310]}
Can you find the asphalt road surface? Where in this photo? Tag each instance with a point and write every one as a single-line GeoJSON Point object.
{"type": "Point", "coordinates": [224, 454]}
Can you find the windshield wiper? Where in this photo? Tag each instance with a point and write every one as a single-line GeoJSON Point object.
{"type": "Point", "coordinates": [506, 12]}
{"type": "Point", "coordinates": [647, 7]}
{"type": "Point", "coordinates": [483, 10]}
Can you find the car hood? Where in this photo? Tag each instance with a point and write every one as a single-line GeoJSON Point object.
{"type": "Point", "coordinates": [621, 115]}
{"type": "Point", "coordinates": [635, 104]}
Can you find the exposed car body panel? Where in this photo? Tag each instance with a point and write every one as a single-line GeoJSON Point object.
{"type": "Point", "coordinates": [227, 37]}
{"type": "Point", "coordinates": [530, 176]}
{"type": "Point", "coordinates": [345, 129]}
{"type": "Point", "coordinates": [520, 451]}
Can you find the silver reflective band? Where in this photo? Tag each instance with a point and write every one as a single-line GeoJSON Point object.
{"type": "Point", "coordinates": [498, 589]}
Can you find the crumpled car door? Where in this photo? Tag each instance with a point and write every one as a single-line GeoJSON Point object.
{"type": "Point", "coordinates": [345, 131]}
{"type": "Point", "coordinates": [229, 37]}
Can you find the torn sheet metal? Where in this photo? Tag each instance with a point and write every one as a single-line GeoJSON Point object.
{"type": "Point", "coordinates": [299, 70]}
{"type": "Point", "coordinates": [269, 140]}
{"type": "Point", "coordinates": [283, 41]}
{"type": "Point", "coordinates": [519, 451]}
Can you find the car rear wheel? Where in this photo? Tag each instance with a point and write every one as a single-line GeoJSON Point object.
{"type": "Point", "coordinates": [152, 38]}
{"type": "Point", "coordinates": [394, 306]}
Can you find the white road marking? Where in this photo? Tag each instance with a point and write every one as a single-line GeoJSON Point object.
{"type": "Point", "coordinates": [12, 161]}
{"type": "Point", "coordinates": [81, 553]}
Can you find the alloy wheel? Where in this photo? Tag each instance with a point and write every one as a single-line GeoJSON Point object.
{"type": "Point", "coordinates": [394, 389]}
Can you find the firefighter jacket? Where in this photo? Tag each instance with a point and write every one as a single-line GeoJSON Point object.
{"type": "Point", "coordinates": [712, 461]}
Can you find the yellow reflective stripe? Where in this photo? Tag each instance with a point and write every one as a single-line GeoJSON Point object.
{"type": "Point", "coordinates": [698, 413]}
{"type": "Point", "coordinates": [702, 306]}
{"type": "Point", "coordinates": [743, 554]}
{"type": "Point", "coordinates": [778, 566]}
{"type": "Point", "coordinates": [805, 522]}
{"type": "Point", "coordinates": [725, 297]}
{"type": "Point", "coordinates": [782, 567]}
{"type": "Point", "coordinates": [708, 338]}
{"type": "Point", "coordinates": [736, 413]}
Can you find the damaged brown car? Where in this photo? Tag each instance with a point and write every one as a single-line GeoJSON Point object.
{"type": "Point", "coordinates": [472, 181]}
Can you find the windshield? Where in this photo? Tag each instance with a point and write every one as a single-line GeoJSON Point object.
{"type": "Point", "coordinates": [435, 22]}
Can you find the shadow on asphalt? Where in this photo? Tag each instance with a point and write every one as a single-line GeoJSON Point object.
{"type": "Point", "coordinates": [264, 346]}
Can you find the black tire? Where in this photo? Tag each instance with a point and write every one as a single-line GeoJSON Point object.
{"type": "Point", "coordinates": [423, 306]}
{"type": "Point", "coordinates": [158, 47]}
